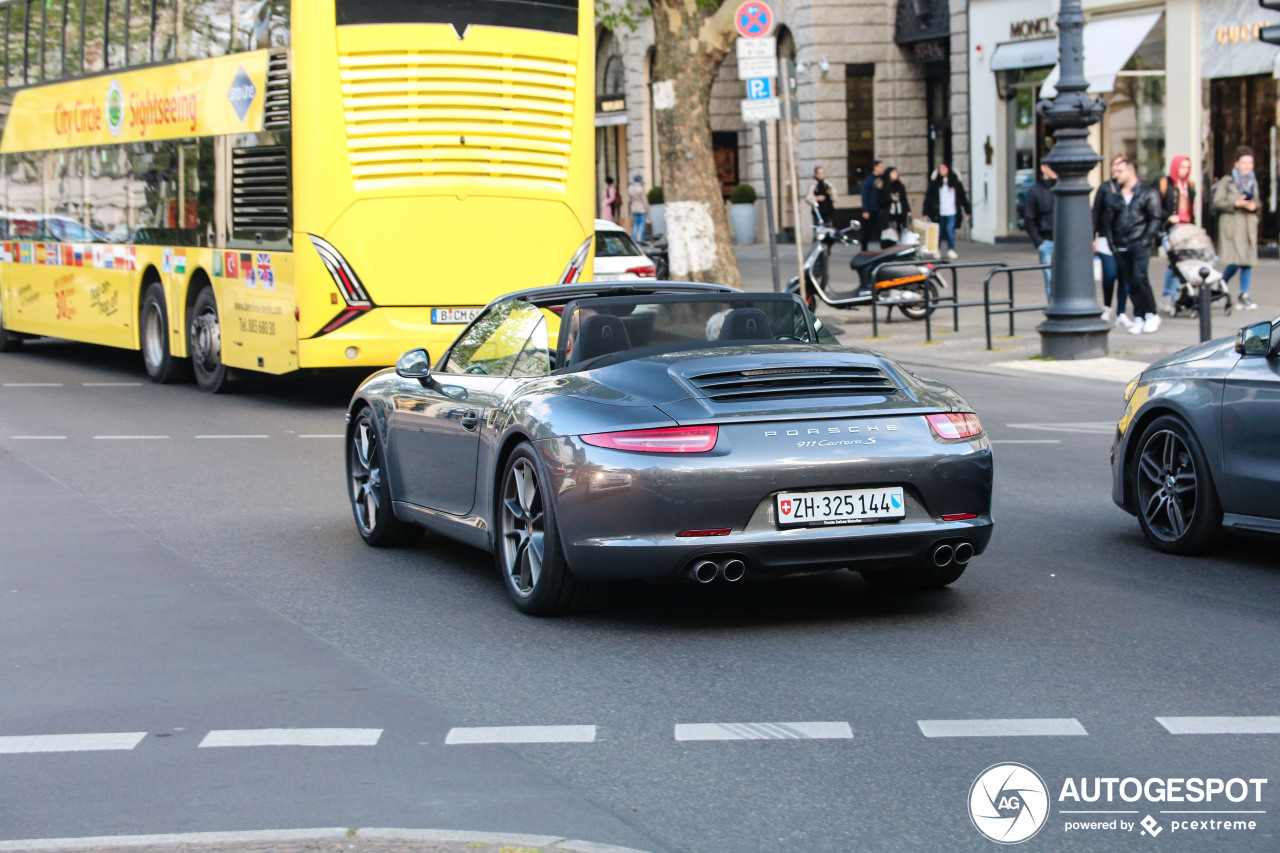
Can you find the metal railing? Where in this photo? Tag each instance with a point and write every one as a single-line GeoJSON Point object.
{"type": "Point", "coordinates": [1012, 309]}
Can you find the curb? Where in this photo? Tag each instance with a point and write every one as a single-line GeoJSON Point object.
{"type": "Point", "coordinates": [344, 834]}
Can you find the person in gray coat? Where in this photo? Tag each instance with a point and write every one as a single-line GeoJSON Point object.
{"type": "Point", "coordinates": [1235, 199]}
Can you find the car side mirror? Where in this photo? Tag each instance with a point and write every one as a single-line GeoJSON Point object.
{"type": "Point", "coordinates": [1255, 340]}
{"type": "Point", "coordinates": [415, 364]}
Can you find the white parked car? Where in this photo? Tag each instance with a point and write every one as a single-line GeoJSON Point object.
{"type": "Point", "coordinates": [618, 258]}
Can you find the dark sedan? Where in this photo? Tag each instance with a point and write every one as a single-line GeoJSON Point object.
{"type": "Point", "coordinates": [665, 431]}
{"type": "Point", "coordinates": [1197, 448]}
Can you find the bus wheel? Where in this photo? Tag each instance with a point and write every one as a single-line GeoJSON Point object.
{"type": "Point", "coordinates": [9, 342]}
{"type": "Point", "coordinates": [153, 331]}
{"type": "Point", "coordinates": [204, 342]}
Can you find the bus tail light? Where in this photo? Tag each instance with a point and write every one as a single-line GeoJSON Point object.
{"type": "Point", "coordinates": [349, 285]}
{"type": "Point", "coordinates": [574, 270]}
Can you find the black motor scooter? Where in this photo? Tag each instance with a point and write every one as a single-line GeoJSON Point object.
{"type": "Point", "coordinates": [899, 274]}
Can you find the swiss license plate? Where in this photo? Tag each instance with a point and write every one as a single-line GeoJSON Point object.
{"type": "Point", "coordinates": [839, 506]}
{"type": "Point", "coordinates": [454, 315]}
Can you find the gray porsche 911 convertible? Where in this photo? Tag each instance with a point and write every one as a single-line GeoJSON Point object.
{"type": "Point", "coordinates": [665, 431]}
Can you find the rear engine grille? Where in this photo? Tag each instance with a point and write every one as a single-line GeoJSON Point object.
{"type": "Point", "coordinates": [435, 118]}
{"type": "Point", "coordinates": [775, 383]}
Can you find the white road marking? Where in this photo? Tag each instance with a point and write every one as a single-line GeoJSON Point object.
{"type": "Point", "coordinates": [292, 737]}
{"type": "Point", "coordinates": [1095, 427]}
{"type": "Point", "coordinates": [33, 384]}
{"type": "Point", "coordinates": [233, 436]}
{"type": "Point", "coordinates": [37, 437]}
{"type": "Point", "coordinates": [129, 437]}
{"type": "Point", "coordinates": [70, 743]}
{"type": "Point", "coordinates": [521, 734]}
{"type": "Point", "coordinates": [763, 731]}
{"type": "Point", "coordinates": [110, 384]}
{"type": "Point", "coordinates": [1068, 726]}
{"type": "Point", "coordinates": [337, 435]}
{"type": "Point", "coordinates": [1026, 441]}
{"type": "Point", "coordinates": [1221, 725]}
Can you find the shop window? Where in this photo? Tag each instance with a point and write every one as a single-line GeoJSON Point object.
{"type": "Point", "coordinates": [95, 35]}
{"type": "Point", "coordinates": [860, 123]}
{"type": "Point", "coordinates": [1135, 108]}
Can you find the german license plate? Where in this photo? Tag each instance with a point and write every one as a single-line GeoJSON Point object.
{"type": "Point", "coordinates": [840, 506]}
{"type": "Point", "coordinates": [454, 315]}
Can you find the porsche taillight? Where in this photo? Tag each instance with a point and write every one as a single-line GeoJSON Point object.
{"type": "Point", "coordinates": [696, 439]}
{"type": "Point", "coordinates": [954, 425]}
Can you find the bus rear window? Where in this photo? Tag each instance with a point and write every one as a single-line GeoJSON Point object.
{"type": "Point", "coordinates": [556, 16]}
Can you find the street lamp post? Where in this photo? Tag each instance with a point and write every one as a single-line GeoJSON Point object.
{"type": "Point", "coordinates": [1073, 327]}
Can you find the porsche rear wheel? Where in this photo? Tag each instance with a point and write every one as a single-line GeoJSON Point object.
{"type": "Point", "coordinates": [369, 491]}
{"type": "Point", "coordinates": [529, 554]}
{"type": "Point", "coordinates": [1173, 489]}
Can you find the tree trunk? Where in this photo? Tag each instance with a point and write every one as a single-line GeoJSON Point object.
{"type": "Point", "coordinates": [690, 42]}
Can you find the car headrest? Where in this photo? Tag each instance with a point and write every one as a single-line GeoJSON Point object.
{"type": "Point", "coordinates": [746, 324]}
{"type": "Point", "coordinates": [601, 334]}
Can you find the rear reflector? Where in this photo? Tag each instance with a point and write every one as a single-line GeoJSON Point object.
{"type": "Point", "coordinates": [954, 425]}
{"type": "Point", "coordinates": [719, 531]}
{"type": "Point", "coordinates": [698, 439]}
{"type": "Point", "coordinates": [960, 516]}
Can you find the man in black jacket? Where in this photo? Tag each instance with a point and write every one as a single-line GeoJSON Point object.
{"type": "Point", "coordinates": [1131, 221]}
{"type": "Point", "coordinates": [1038, 214]}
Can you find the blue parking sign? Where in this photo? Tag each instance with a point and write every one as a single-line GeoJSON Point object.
{"type": "Point", "coordinates": [759, 89]}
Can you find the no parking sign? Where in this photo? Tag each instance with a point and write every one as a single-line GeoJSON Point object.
{"type": "Point", "coordinates": [753, 19]}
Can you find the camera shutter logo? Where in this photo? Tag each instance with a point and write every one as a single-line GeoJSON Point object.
{"type": "Point", "coordinates": [1009, 803]}
{"type": "Point", "coordinates": [114, 107]}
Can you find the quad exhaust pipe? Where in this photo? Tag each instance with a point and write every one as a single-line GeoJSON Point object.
{"type": "Point", "coordinates": [963, 553]}
{"type": "Point", "coordinates": [942, 555]}
{"type": "Point", "coordinates": [731, 569]}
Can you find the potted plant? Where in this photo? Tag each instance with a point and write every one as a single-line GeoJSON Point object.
{"type": "Point", "coordinates": [657, 218]}
{"type": "Point", "coordinates": [743, 213]}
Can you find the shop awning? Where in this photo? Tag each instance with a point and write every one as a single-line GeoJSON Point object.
{"type": "Point", "coordinates": [1108, 44]}
{"type": "Point", "coordinates": [1035, 53]}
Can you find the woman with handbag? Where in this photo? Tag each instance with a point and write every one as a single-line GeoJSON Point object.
{"type": "Point", "coordinates": [609, 203]}
{"type": "Point", "coordinates": [895, 210]}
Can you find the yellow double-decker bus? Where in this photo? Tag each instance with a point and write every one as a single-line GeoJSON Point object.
{"type": "Point", "coordinates": [269, 186]}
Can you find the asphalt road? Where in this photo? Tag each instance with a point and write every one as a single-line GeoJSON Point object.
{"type": "Point", "coordinates": [173, 564]}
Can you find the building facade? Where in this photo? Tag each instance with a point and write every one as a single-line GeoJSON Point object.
{"type": "Point", "coordinates": [874, 79]}
{"type": "Point", "coordinates": [1185, 77]}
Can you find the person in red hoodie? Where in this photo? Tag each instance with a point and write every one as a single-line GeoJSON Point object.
{"type": "Point", "coordinates": [1178, 203]}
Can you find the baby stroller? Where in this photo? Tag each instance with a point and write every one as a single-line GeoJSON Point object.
{"type": "Point", "coordinates": [1195, 264]}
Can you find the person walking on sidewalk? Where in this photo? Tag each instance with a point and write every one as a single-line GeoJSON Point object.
{"type": "Point", "coordinates": [944, 201]}
{"type": "Point", "coordinates": [638, 202]}
{"type": "Point", "coordinates": [821, 194]}
{"type": "Point", "coordinates": [1039, 219]}
{"type": "Point", "coordinates": [609, 203]}
{"type": "Point", "coordinates": [871, 206]}
{"type": "Point", "coordinates": [1178, 204]}
{"type": "Point", "coordinates": [1131, 220]}
{"type": "Point", "coordinates": [895, 210]}
{"type": "Point", "coordinates": [1235, 198]}
{"type": "Point", "coordinates": [1110, 275]}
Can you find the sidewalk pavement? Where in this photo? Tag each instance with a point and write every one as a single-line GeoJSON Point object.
{"type": "Point", "coordinates": [904, 339]}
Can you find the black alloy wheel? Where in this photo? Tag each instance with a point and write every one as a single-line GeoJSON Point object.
{"type": "Point", "coordinates": [153, 334]}
{"type": "Point", "coordinates": [204, 343]}
{"type": "Point", "coordinates": [528, 550]}
{"type": "Point", "coordinates": [369, 491]}
{"type": "Point", "coordinates": [1172, 487]}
